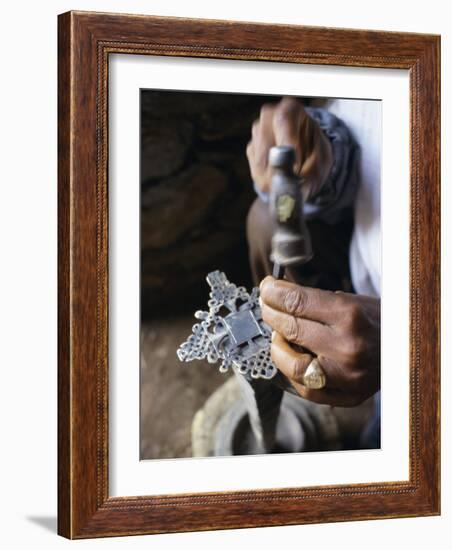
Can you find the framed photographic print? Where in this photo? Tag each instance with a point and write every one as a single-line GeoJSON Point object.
{"type": "Point", "coordinates": [248, 275]}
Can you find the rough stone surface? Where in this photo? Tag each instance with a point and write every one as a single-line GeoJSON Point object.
{"type": "Point", "coordinates": [165, 146]}
{"type": "Point", "coordinates": [180, 206]}
{"type": "Point", "coordinates": [171, 392]}
{"type": "Point", "coordinates": [179, 103]}
{"type": "Point", "coordinates": [196, 191]}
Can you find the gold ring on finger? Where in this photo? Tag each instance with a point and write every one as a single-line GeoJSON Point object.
{"type": "Point", "coordinates": [314, 377]}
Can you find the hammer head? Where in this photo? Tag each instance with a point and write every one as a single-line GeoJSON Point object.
{"type": "Point", "coordinates": [291, 242]}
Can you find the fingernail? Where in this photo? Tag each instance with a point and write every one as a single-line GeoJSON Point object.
{"type": "Point", "coordinates": [273, 335]}
{"type": "Point", "coordinates": [264, 282]}
{"type": "Point", "coordinates": [260, 301]}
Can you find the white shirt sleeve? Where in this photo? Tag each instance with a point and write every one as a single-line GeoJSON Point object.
{"type": "Point", "coordinates": [363, 119]}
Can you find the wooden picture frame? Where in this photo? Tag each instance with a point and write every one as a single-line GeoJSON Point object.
{"type": "Point", "coordinates": [85, 42]}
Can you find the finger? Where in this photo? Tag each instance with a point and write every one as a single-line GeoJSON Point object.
{"type": "Point", "coordinates": [250, 151]}
{"type": "Point", "coordinates": [266, 114]}
{"type": "Point", "coordinates": [255, 128]}
{"type": "Point", "coordinates": [258, 174]}
{"type": "Point", "coordinates": [250, 157]}
{"type": "Point", "coordinates": [287, 121]}
{"type": "Point", "coordinates": [262, 133]}
{"type": "Point", "coordinates": [323, 306]}
{"type": "Point", "coordinates": [263, 127]}
{"type": "Point", "coordinates": [328, 396]}
{"type": "Point", "coordinates": [314, 336]}
{"type": "Point", "coordinates": [291, 363]}
{"type": "Point", "coordinates": [294, 364]}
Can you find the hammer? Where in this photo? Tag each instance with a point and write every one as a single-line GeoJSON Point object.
{"type": "Point", "coordinates": [291, 242]}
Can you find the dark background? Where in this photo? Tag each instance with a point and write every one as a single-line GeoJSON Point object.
{"type": "Point", "coordinates": [196, 190]}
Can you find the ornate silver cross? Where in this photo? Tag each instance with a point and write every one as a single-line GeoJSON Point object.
{"type": "Point", "coordinates": [231, 331]}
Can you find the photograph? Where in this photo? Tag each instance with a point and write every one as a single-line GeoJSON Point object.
{"type": "Point", "coordinates": [225, 232]}
{"type": "Point", "coordinates": [248, 274]}
{"type": "Point", "coordinates": [260, 268]}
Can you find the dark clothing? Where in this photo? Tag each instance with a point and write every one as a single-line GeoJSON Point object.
{"type": "Point", "coordinates": [328, 270]}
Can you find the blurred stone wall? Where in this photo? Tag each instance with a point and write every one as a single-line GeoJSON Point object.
{"type": "Point", "coordinates": [195, 193]}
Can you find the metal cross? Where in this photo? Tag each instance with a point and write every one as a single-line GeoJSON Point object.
{"type": "Point", "coordinates": [231, 331]}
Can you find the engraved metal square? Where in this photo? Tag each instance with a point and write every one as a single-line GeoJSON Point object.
{"type": "Point", "coordinates": [242, 326]}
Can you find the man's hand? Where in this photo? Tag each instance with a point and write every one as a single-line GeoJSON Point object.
{"type": "Point", "coordinates": [341, 329]}
{"type": "Point", "coordinates": [287, 123]}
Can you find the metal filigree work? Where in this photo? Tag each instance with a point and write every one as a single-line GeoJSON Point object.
{"type": "Point", "coordinates": [238, 338]}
